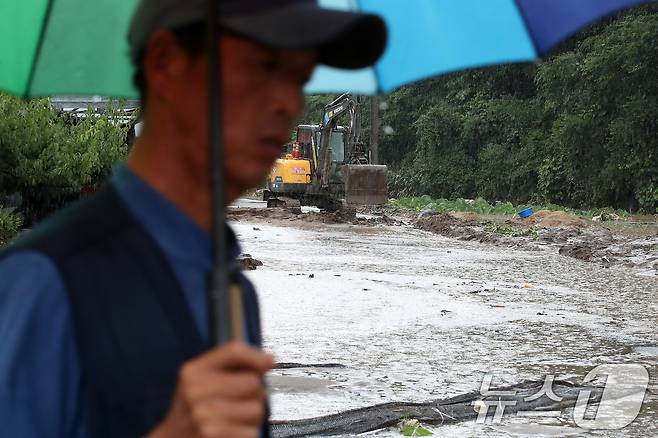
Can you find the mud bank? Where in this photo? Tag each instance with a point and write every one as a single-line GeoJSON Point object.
{"type": "Point", "coordinates": [604, 243]}
{"type": "Point", "coordinates": [280, 216]}
{"type": "Point", "coordinates": [557, 231]}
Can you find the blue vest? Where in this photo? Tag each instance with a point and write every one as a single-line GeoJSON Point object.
{"type": "Point", "coordinates": [132, 323]}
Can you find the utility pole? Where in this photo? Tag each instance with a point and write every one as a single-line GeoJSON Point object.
{"type": "Point", "coordinates": [374, 129]}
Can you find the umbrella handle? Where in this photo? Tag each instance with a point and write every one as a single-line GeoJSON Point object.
{"type": "Point", "coordinates": [237, 312]}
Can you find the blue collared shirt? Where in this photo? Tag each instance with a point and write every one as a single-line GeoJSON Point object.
{"type": "Point", "coordinates": [41, 392]}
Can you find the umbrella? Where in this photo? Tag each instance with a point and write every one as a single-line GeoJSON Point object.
{"type": "Point", "coordinates": [434, 37]}
{"type": "Point", "coordinates": [50, 47]}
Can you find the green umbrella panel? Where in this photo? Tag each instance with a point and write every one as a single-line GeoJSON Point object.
{"type": "Point", "coordinates": [65, 47]}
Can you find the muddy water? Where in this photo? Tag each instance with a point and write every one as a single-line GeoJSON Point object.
{"type": "Point", "coordinates": [415, 316]}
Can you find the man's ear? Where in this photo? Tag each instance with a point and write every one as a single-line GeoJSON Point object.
{"type": "Point", "coordinates": [165, 64]}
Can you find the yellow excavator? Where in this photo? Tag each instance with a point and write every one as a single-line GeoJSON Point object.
{"type": "Point", "coordinates": [328, 166]}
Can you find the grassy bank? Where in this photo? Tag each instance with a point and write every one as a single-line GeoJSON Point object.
{"type": "Point", "coordinates": [481, 206]}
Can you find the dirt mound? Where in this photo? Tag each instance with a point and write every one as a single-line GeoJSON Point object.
{"type": "Point", "coordinates": [470, 228]}
{"type": "Point", "coordinates": [580, 252]}
{"type": "Point", "coordinates": [553, 219]}
{"type": "Point", "coordinates": [443, 224]}
{"type": "Point", "coordinates": [342, 216]}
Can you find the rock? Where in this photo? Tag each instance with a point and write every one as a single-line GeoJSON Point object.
{"type": "Point", "coordinates": [248, 263]}
{"type": "Point", "coordinates": [605, 217]}
{"type": "Point", "coordinates": [427, 213]}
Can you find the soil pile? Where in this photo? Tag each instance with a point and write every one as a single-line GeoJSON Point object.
{"type": "Point", "coordinates": [463, 226]}
{"type": "Point", "coordinates": [553, 219]}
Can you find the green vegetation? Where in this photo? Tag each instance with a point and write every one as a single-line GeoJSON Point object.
{"type": "Point", "coordinates": [413, 428]}
{"type": "Point", "coordinates": [481, 206]}
{"type": "Point", "coordinates": [510, 230]}
{"type": "Point", "coordinates": [50, 158]}
{"type": "Point", "coordinates": [10, 224]}
{"type": "Point", "coordinates": [579, 129]}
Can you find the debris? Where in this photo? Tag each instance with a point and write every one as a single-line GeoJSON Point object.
{"type": "Point", "coordinates": [524, 214]}
{"type": "Point", "coordinates": [479, 406]}
{"type": "Point", "coordinates": [291, 365]}
{"type": "Point", "coordinates": [311, 276]}
{"type": "Point", "coordinates": [257, 229]}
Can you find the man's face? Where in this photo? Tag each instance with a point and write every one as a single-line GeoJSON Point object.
{"type": "Point", "coordinates": [262, 100]}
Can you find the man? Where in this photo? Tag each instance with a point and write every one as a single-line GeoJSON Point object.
{"type": "Point", "coordinates": [103, 315]}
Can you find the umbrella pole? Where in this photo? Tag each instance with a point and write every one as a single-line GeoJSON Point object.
{"type": "Point", "coordinates": [223, 311]}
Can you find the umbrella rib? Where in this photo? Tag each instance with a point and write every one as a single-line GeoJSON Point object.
{"type": "Point", "coordinates": [37, 53]}
{"type": "Point", "coordinates": [524, 18]}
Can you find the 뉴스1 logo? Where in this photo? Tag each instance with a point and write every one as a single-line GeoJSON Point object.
{"type": "Point", "coordinates": [613, 406]}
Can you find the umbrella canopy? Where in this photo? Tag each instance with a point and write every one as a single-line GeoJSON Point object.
{"type": "Point", "coordinates": [79, 46]}
{"type": "Point", "coordinates": [434, 37]}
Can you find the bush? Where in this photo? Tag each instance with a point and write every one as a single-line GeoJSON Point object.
{"type": "Point", "coordinates": [10, 225]}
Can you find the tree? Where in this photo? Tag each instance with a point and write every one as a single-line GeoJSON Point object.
{"type": "Point", "coordinates": [50, 158]}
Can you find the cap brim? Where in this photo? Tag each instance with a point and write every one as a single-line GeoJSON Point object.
{"type": "Point", "coordinates": [345, 40]}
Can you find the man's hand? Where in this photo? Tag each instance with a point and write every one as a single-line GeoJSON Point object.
{"type": "Point", "coordinates": [219, 394]}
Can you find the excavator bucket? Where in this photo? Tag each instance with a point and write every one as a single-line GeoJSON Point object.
{"type": "Point", "coordinates": [365, 184]}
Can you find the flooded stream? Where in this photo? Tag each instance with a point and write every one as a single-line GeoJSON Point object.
{"type": "Point", "coordinates": [414, 316]}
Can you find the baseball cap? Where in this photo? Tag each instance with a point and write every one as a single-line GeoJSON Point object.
{"type": "Point", "coordinates": [344, 39]}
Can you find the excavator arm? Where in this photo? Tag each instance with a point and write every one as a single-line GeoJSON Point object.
{"type": "Point", "coordinates": [344, 104]}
